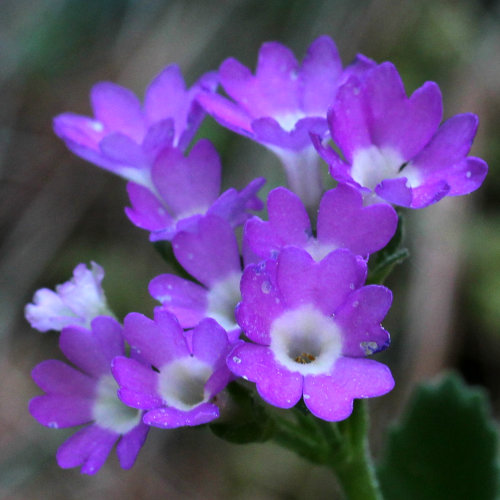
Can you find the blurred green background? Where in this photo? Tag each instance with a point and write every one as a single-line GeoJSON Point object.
{"type": "Point", "coordinates": [56, 211]}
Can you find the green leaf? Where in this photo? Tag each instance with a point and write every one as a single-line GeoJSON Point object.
{"type": "Point", "coordinates": [382, 262]}
{"type": "Point", "coordinates": [248, 420]}
{"type": "Point", "coordinates": [445, 447]}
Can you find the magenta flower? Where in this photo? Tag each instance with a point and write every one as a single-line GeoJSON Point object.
{"type": "Point", "coordinates": [76, 302]}
{"type": "Point", "coordinates": [343, 222]}
{"type": "Point", "coordinates": [125, 136]}
{"type": "Point", "coordinates": [184, 188]}
{"type": "Point", "coordinates": [283, 103]}
{"type": "Point", "coordinates": [88, 395]}
{"type": "Point", "coordinates": [394, 147]}
{"type": "Point", "coordinates": [188, 371]}
{"type": "Point", "coordinates": [211, 255]}
{"type": "Point", "coordinates": [312, 324]}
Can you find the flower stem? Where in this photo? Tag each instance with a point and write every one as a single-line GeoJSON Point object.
{"type": "Point", "coordinates": [342, 446]}
{"type": "Point", "coordinates": [354, 468]}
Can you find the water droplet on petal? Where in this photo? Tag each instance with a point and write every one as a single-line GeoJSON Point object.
{"type": "Point", "coordinates": [351, 286]}
{"type": "Point", "coordinates": [306, 396]}
{"type": "Point", "coordinates": [236, 360]}
{"type": "Point", "coordinates": [355, 303]}
{"type": "Point", "coordinates": [53, 425]}
{"type": "Point", "coordinates": [265, 287]}
{"type": "Point", "coordinates": [468, 174]}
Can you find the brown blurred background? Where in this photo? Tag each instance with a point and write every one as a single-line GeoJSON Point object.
{"type": "Point", "coordinates": [56, 211]}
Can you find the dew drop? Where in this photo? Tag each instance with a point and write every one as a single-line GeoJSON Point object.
{"type": "Point", "coordinates": [277, 300]}
{"type": "Point", "coordinates": [236, 360]}
{"type": "Point", "coordinates": [244, 377]}
{"type": "Point", "coordinates": [351, 286]}
{"type": "Point", "coordinates": [265, 287]}
{"type": "Point", "coordinates": [167, 298]}
{"type": "Point", "coordinates": [190, 256]}
{"type": "Point", "coordinates": [53, 425]}
{"type": "Point", "coordinates": [355, 303]}
{"type": "Point", "coordinates": [468, 174]}
{"type": "Point", "coordinates": [306, 396]}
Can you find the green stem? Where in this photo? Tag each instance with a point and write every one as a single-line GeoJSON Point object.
{"type": "Point", "coordinates": [354, 468]}
{"type": "Point", "coordinates": [343, 447]}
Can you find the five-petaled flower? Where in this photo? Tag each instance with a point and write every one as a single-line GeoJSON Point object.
{"type": "Point", "coordinates": [87, 395]}
{"type": "Point", "coordinates": [312, 324]}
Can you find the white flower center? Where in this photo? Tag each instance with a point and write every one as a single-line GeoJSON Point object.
{"type": "Point", "coordinates": [317, 250]}
{"type": "Point", "coordinates": [222, 300]}
{"type": "Point", "coordinates": [306, 341]}
{"type": "Point", "coordinates": [109, 412]}
{"type": "Point", "coordinates": [182, 383]}
{"type": "Point", "coordinates": [289, 120]}
{"type": "Point", "coordinates": [372, 165]}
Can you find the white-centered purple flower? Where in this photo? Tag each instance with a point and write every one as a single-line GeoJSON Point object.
{"type": "Point", "coordinates": [394, 147]}
{"type": "Point", "coordinates": [87, 394]}
{"type": "Point", "coordinates": [343, 222]}
{"type": "Point", "coordinates": [283, 103]}
{"type": "Point", "coordinates": [186, 188]}
{"type": "Point", "coordinates": [312, 324]}
{"type": "Point", "coordinates": [125, 136]}
{"type": "Point", "coordinates": [76, 302]}
{"type": "Point", "coordinates": [185, 375]}
{"type": "Point", "coordinates": [211, 255]}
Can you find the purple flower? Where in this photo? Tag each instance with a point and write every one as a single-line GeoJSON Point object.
{"type": "Point", "coordinates": [184, 188]}
{"type": "Point", "coordinates": [188, 370]}
{"type": "Point", "coordinates": [312, 324]}
{"type": "Point", "coordinates": [211, 255]}
{"type": "Point", "coordinates": [125, 136]}
{"type": "Point", "coordinates": [88, 395]}
{"type": "Point", "coordinates": [76, 302]}
{"type": "Point", "coordinates": [393, 146]}
{"type": "Point", "coordinates": [283, 103]}
{"type": "Point", "coordinates": [343, 222]}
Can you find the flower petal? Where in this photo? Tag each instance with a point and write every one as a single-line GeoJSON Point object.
{"type": "Point", "coordinates": [185, 299]}
{"type": "Point", "coordinates": [170, 418]}
{"type": "Point", "coordinates": [89, 447]}
{"type": "Point", "coordinates": [130, 444]}
{"type": "Point", "coordinates": [330, 397]}
{"type": "Point", "coordinates": [275, 384]}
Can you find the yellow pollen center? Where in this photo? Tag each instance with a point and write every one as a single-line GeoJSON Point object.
{"type": "Point", "coordinates": [305, 358]}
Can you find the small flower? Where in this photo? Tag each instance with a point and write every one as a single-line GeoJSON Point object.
{"type": "Point", "coordinates": [76, 302]}
{"type": "Point", "coordinates": [88, 396]}
{"type": "Point", "coordinates": [343, 222]}
{"type": "Point", "coordinates": [188, 187]}
{"type": "Point", "coordinates": [188, 370]}
{"type": "Point", "coordinates": [211, 255]}
{"type": "Point", "coordinates": [393, 146]}
{"type": "Point", "coordinates": [125, 136]}
{"type": "Point", "coordinates": [312, 324]}
{"type": "Point", "coordinates": [283, 103]}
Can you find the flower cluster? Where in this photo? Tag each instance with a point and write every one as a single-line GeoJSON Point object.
{"type": "Point", "coordinates": [287, 306]}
